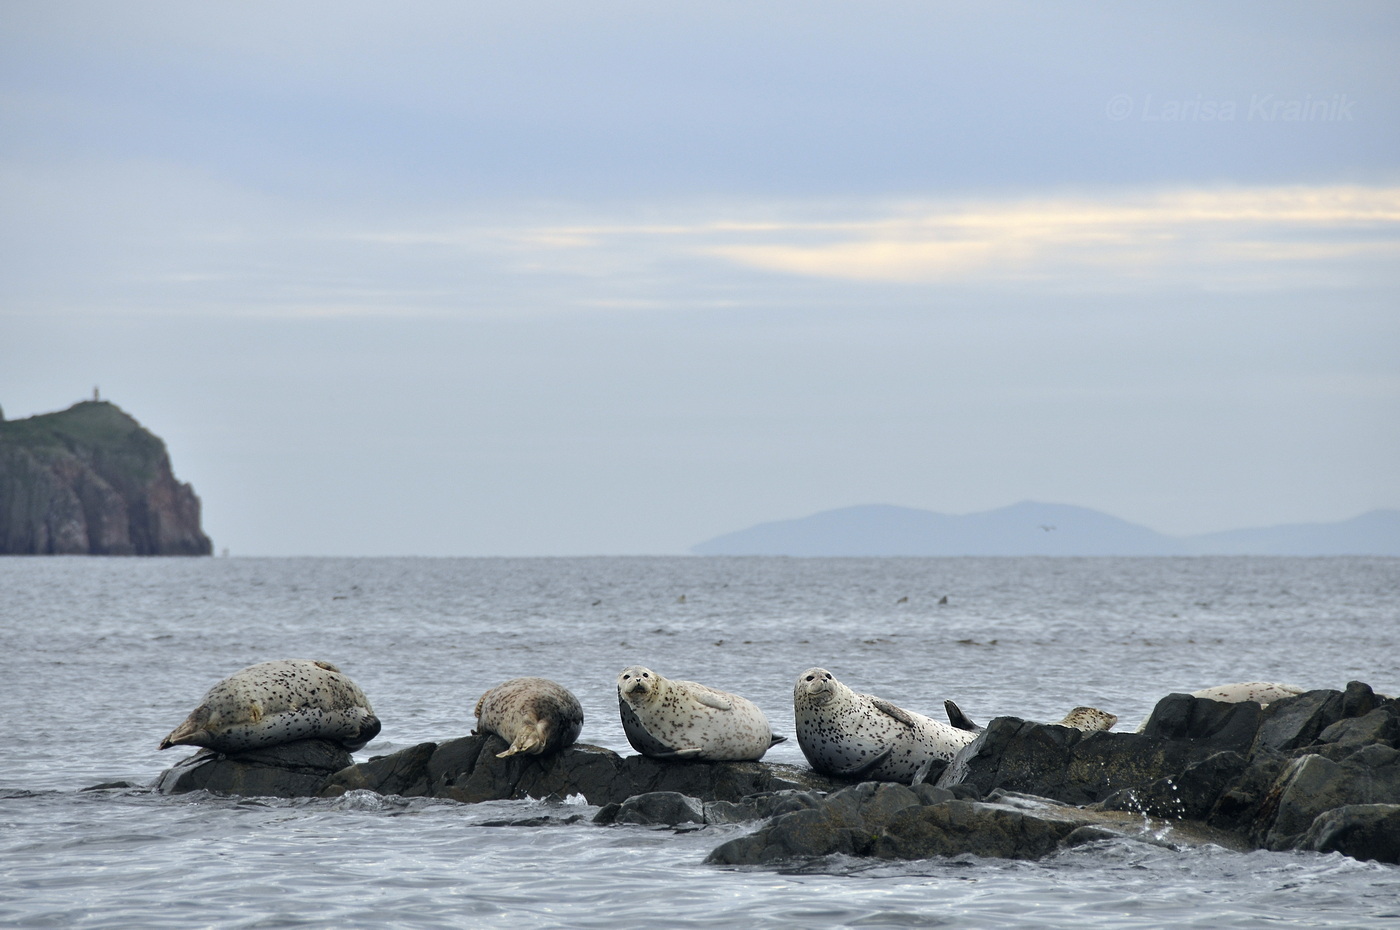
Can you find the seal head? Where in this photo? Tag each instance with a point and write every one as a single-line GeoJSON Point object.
{"type": "Point", "coordinates": [674, 719]}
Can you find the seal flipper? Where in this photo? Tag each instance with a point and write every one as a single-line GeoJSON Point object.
{"type": "Point", "coordinates": [774, 739]}
{"type": "Point", "coordinates": [712, 700]}
{"type": "Point", "coordinates": [959, 719]}
{"type": "Point", "coordinates": [638, 736]}
{"type": "Point", "coordinates": [369, 729]}
{"type": "Point", "coordinates": [898, 713]}
{"type": "Point", "coordinates": [688, 753]}
{"type": "Point", "coordinates": [865, 768]}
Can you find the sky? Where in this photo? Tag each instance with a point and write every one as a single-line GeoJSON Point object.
{"type": "Point", "coordinates": [545, 278]}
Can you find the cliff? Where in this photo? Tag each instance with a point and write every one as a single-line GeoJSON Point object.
{"type": "Point", "coordinates": [90, 480]}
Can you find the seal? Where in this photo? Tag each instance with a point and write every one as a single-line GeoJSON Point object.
{"type": "Point", "coordinates": [672, 719]}
{"type": "Point", "coordinates": [1262, 692]}
{"type": "Point", "coordinates": [535, 715]}
{"type": "Point", "coordinates": [1088, 719]}
{"type": "Point", "coordinates": [855, 735]}
{"type": "Point", "coordinates": [278, 702]}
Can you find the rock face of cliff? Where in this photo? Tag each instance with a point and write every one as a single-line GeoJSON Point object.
{"type": "Point", "coordinates": [90, 480]}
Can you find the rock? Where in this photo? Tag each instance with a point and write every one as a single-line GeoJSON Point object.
{"type": "Point", "coordinates": [1362, 831]}
{"type": "Point", "coordinates": [292, 770]}
{"type": "Point", "coordinates": [403, 773]}
{"type": "Point", "coordinates": [1074, 767]}
{"type": "Point", "coordinates": [90, 480]}
{"type": "Point", "coordinates": [466, 769]}
{"type": "Point", "coordinates": [1191, 795]}
{"type": "Point", "coordinates": [1223, 725]}
{"type": "Point", "coordinates": [1311, 785]}
{"type": "Point", "coordinates": [1293, 723]}
{"type": "Point", "coordinates": [761, 806]}
{"type": "Point", "coordinates": [1381, 725]}
{"type": "Point", "coordinates": [109, 785]}
{"type": "Point", "coordinates": [655, 807]}
{"type": "Point", "coordinates": [889, 821]}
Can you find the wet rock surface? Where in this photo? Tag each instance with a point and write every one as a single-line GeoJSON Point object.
{"type": "Point", "coordinates": [293, 770]}
{"type": "Point", "coordinates": [467, 769]}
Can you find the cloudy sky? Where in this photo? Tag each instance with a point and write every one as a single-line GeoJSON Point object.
{"type": "Point", "coordinates": [552, 278]}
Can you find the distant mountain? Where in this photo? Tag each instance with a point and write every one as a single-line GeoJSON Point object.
{"type": "Point", "coordinates": [1030, 528]}
{"type": "Point", "coordinates": [1373, 533]}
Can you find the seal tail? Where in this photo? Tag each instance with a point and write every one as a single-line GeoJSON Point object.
{"type": "Point", "coordinates": [959, 719]}
{"type": "Point", "coordinates": [531, 741]}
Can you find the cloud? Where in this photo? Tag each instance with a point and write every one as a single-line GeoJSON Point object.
{"type": "Point", "coordinates": [1233, 237]}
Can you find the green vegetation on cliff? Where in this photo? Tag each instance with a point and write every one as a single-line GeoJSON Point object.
{"type": "Point", "coordinates": [92, 480]}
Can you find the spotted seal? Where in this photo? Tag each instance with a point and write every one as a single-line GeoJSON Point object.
{"type": "Point", "coordinates": [278, 702]}
{"type": "Point", "coordinates": [856, 735]}
{"type": "Point", "coordinates": [672, 719]}
{"type": "Point", "coordinates": [1088, 719]}
{"type": "Point", "coordinates": [535, 715]}
{"type": "Point", "coordinates": [1261, 692]}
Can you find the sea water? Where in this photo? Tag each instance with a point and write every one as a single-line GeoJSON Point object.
{"type": "Point", "coordinates": [101, 657]}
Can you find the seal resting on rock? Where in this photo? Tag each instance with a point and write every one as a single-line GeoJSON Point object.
{"type": "Point", "coordinates": [859, 736]}
{"type": "Point", "coordinates": [278, 702]}
{"type": "Point", "coordinates": [1088, 719]}
{"type": "Point", "coordinates": [667, 719]}
{"type": "Point", "coordinates": [534, 715]}
{"type": "Point", "coordinates": [1263, 693]}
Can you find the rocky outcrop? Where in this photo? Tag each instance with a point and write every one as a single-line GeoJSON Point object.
{"type": "Point", "coordinates": [890, 821]}
{"type": "Point", "coordinates": [1320, 771]}
{"type": "Point", "coordinates": [90, 480]}
{"type": "Point", "coordinates": [293, 770]}
{"type": "Point", "coordinates": [467, 770]}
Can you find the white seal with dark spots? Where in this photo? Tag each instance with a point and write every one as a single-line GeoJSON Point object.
{"type": "Point", "coordinates": [1263, 693]}
{"type": "Point", "coordinates": [673, 719]}
{"type": "Point", "coordinates": [534, 715]}
{"type": "Point", "coordinates": [859, 736]}
{"type": "Point", "coordinates": [278, 702]}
